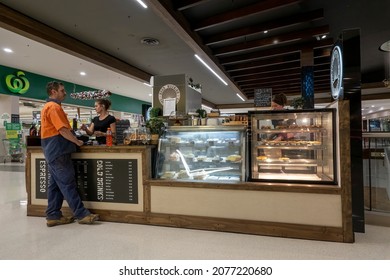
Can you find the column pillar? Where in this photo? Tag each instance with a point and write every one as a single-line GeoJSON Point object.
{"type": "Point", "coordinates": [9, 107]}
{"type": "Point", "coordinates": [307, 78]}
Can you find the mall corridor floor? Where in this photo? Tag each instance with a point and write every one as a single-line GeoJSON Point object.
{"type": "Point", "coordinates": [28, 238]}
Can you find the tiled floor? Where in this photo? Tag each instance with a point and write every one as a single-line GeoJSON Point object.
{"type": "Point", "coordinates": [27, 238]}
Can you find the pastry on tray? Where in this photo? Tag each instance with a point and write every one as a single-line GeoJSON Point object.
{"type": "Point", "coordinates": [261, 157]}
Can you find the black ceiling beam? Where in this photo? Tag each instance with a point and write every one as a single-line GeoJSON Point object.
{"type": "Point", "coordinates": [270, 41]}
{"type": "Point", "coordinates": [266, 26]}
{"type": "Point", "coordinates": [240, 13]}
{"type": "Point", "coordinates": [259, 76]}
{"type": "Point", "coordinates": [314, 44]}
{"type": "Point", "coordinates": [264, 62]}
{"type": "Point", "coordinates": [181, 5]}
{"type": "Point", "coordinates": [267, 69]}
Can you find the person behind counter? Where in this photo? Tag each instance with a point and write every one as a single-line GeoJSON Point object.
{"type": "Point", "coordinates": [101, 122]}
{"type": "Point", "coordinates": [279, 101]}
{"type": "Point", "coordinates": [58, 143]}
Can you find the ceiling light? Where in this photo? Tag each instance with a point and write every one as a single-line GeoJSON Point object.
{"type": "Point", "coordinates": [385, 46]}
{"type": "Point", "coordinates": [323, 36]}
{"type": "Point", "coordinates": [83, 73]}
{"type": "Point", "coordinates": [265, 31]}
{"type": "Point", "coordinates": [8, 50]}
{"type": "Point", "coordinates": [240, 97]}
{"type": "Point", "coordinates": [142, 4]}
{"type": "Point", "coordinates": [212, 71]}
{"type": "Point", "coordinates": [150, 41]}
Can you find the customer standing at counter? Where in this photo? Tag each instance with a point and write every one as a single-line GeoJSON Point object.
{"type": "Point", "coordinates": [58, 143]}
{"type": "Point", "coordinates": [102, 122]}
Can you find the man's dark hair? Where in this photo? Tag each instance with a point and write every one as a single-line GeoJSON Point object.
{"type": "Point", "coordinates": [53, 85]}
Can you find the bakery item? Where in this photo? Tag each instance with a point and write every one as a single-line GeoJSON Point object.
{"type": "Point", "coordinates": [168, 175]}
{"type": "Point", "coordinates": [174, 156]}
{"type": "Point", "coordinates": [182, 175]}
{"type": "Point", "coordinates": [233, 158]}
{"type": "Point", "coordinates": [261, 157]}
{"type": "Point", "coordinates": [284, 159]}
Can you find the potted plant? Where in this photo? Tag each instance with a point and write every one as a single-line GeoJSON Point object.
{"type": "Point", "coordinates": [202, 115]}
{"type": "Point", "coordinates": [154, 112]}
{"type": "Point", "coordinates": [156, 127]}
{"type": "Point", "coordinates": [298, 102]}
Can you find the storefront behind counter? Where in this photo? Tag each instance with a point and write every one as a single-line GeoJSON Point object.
{"type": "Point", "coordinates": [116, 183]}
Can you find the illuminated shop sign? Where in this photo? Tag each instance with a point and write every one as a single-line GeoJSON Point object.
{"type": "Point", "coordinates": [17, 84]}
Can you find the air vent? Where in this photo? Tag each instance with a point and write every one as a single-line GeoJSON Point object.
{"type": "Point", "coordinates": [150, 41]}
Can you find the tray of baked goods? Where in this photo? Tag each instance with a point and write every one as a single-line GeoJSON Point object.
{"type": "Point", "coordinates": [264, 160]}
{"type": "Point", "coordinates": [190, 157]}
{"type": "Point", "coordinates": [291, 128]}
{"type": "Point", "coordinates": [293, 144]}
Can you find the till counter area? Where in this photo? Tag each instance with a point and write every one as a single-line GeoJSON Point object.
{"type": "Point", "coordinates": [117, 183]}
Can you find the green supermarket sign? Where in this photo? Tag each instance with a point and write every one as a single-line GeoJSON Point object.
{"type": "Point", "coordinates": [17, 83]}
{"type": "Point", "coordinates": [13, 126]}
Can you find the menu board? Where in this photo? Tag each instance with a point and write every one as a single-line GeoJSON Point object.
{"type": "Point", "coordinates": [121, 126]}
{"type": "Point", "coordinates": [100, 180]}
{"type": "Point", "coordinates": [263, 97]}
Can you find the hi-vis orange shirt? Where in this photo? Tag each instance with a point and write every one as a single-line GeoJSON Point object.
{"type": "Point", "coordinates": [53, 118]}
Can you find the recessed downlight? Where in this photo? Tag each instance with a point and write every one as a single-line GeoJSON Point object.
{"type": "Point", "coordinates": [150, 41]}
{"type": "Point", "coordinates": [8, 50]}
{"type": "Point", "coordinates": [82, 73]}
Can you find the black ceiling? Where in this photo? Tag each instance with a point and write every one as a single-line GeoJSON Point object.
{"type": "Point", "coordinates": [264, 44]}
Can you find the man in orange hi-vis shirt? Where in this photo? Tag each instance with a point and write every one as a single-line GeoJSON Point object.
{"type": "Point", "coordinates": [58, 143]}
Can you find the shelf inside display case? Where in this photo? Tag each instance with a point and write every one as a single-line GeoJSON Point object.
{"type": "Point", "coordinates": [296, 145]}
{"type": "Point", "coordinates": [212, 153]}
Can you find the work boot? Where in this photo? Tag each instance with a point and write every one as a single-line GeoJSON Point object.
{"type": "Point", "coordinates": [62, 221]}
{"type": "Point", "coordinates": [89, 219]}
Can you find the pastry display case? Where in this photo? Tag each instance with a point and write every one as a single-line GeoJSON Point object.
{"type": "Point", "coordinates": [293, 145]}
{"type": "Point", "coordinates": [210, 153]}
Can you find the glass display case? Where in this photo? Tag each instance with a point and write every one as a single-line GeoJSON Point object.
{"type": "Point", "coordinates": [293, 145]}
{"type": "Point", "coordinates": [210, 153]}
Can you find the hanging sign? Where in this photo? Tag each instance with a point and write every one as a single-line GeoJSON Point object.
{"type": "Point", "coordinates": [263, 97]}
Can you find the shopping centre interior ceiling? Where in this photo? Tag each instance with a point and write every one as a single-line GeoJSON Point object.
{"type": "Point", "coordinates": [103, 38]}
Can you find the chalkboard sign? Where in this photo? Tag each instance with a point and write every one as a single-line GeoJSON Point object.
{"type": "Point", "coordinates": [101, 180]}
{"type": "Point", "coordinates": [121, 126]}
{"type": "Point", "coordinates": [263, 97]}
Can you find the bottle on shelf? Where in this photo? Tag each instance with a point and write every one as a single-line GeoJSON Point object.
{"type": "Point", "coordinates": [109, 137]}
{"type": "Point", "coordinates": [33, 130]}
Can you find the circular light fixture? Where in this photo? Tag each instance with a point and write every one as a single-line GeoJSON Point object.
{"type": "Point", "coordinates": [150, 41]}
{"type": "Point", "coordinates": [385, 47]}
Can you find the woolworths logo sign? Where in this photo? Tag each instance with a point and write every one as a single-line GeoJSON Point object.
{"type": "Point", "coordinates": [18, 83]}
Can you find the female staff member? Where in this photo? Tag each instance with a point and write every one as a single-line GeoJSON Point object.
{"type": "Point", "coordinates": [279, 101]}
{"type": "Point", "coordinates": [101, 122]}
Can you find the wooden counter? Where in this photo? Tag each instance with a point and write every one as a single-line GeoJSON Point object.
{"type": "Point", "coordinates": [129, 195]}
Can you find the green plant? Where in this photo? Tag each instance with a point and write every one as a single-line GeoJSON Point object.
{"type": "Point", "coordinates": [202, 113]}
{"type": "Point", "coordinates": [156, 125]}
{"type": "Point", "coordinates": [298, 102]}
{"type": "Point", "coordinates": [154, 112]}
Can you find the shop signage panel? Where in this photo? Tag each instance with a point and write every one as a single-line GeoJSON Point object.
{"type": "Point", "coordinates": [99, 180]}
